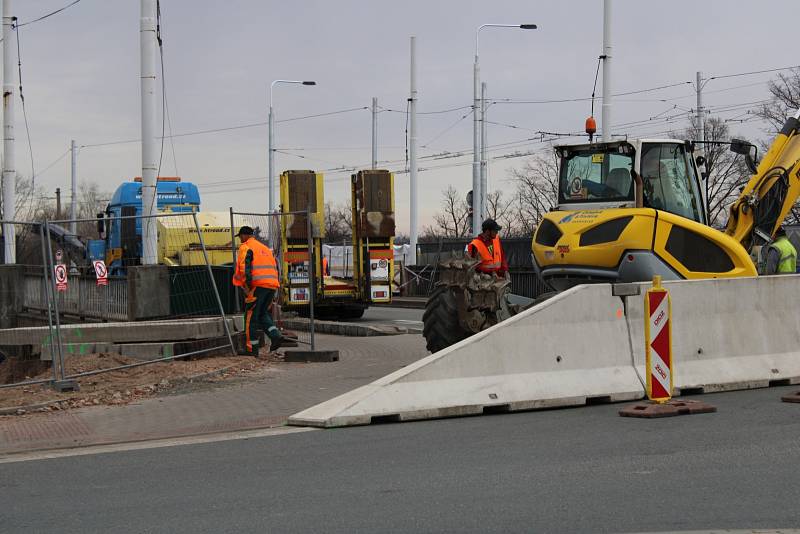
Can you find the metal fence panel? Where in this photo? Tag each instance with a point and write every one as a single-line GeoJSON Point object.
{"type": "Point", "coordinates": [25, 300]}
{"type": "Point", "coordinates": [294, 313]}
{"type": "Point", "coordinates": [182, 285]}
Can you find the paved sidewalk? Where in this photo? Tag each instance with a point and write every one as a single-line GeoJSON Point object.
{"type": "Point", "coordinates": [259, 401]}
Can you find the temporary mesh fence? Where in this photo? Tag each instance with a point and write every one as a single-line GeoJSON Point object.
{"type": "Point", "coordinates": [104, 281]}
{"type": "Point", "coordinates": [26, 324]}
{"type": "Point", "coordinates": [289, 238]}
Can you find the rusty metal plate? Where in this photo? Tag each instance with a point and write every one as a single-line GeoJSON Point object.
{"type": "Point", "coordinates": [652, 410]}
{"type": "Point", "coordinates": [373, 193]}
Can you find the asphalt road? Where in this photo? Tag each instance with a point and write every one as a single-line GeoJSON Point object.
{"type": "Point", "coordinates": [387, 315]}
{"type": "Point", "coordinates": [570, 470]}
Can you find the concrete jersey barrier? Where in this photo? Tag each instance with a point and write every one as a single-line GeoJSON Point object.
{"type": "Point", "coordinates": [586, 344]}
{"type": "Point", "coordinates": [729, 334]}
{"type": "Point", "coordinates": [566, 351]}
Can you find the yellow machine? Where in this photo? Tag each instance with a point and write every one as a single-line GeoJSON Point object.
{"type": "Point", "coordinates": [373, 234]}
{"type": "Point", "coordinates": [178, 243]}
{"type": "Point", "coordinates": [628, 210]}
{"type": "Point", "coordinates": [373, 231]}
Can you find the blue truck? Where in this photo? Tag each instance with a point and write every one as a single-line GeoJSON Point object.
{"type": "Point", "coordinates": [121, 239]}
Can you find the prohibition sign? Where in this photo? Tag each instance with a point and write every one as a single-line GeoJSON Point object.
{"type": "Point", "coordinates": [101, 272]}
{"type": "Point", "coordinates": [60, 271]}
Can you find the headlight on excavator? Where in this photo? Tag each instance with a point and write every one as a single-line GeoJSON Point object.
{"type": "Point", "coordinates": [547, 234]}
{"type": "Point", "coordinates": [606, 232]}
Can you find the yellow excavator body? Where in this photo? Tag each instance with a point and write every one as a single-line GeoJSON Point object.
{"type": "Point", "coordinates": [632, 244]}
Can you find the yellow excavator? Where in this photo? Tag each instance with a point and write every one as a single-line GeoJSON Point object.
{"type": "Point", "coordinates": [628, 210]}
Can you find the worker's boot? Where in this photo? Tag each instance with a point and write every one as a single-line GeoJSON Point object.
{"type": "Point", "coordinates": [250, 352]}
{"type": "Point", "coordinates": [275, 343]}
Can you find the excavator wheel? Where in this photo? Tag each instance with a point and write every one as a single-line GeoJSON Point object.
{"type": "Point", "coordinates": [440, 321]}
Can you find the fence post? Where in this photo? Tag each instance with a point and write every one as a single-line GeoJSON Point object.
{"type": "Point", "coordinates": [51, 266]}
{"type": "Point", "coordinates": [213, 283]}
{"type": "Point", "coordinates": [47, 288]}
{"type": "Point", "coordinates": [311, 280]}
{"type": "Point", "coordinates": [233, 253]}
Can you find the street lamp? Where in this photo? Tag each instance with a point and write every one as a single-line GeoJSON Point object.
{"type": "Point", "coordinates": [271, 177]}
{"type": "Point", "coordinates": [478, 162]}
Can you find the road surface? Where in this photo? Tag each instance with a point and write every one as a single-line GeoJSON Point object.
{"type": "Point", "coordinates": [570, 470]}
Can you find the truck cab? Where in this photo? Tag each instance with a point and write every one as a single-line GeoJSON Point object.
{"type": "Point", "coordinates": [120, 245]}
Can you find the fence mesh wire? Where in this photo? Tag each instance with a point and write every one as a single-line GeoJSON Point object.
{"type": "Point", "coordinates": [53, 301]}
{"type": "Point", "coordinates": [292, 310]}
{"type": "Point", "coordinates": [26, 333]}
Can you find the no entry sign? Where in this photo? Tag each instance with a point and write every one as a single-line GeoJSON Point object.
{"type": "Point", "coordinates": [100, 272]}
{"type": "Point", "coordinates": [60, 272]}
{"type": "Point", "coordinates": [658, 342]}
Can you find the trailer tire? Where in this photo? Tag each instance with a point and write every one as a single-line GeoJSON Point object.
{"type": "Point", "coordinates": [440, 321]}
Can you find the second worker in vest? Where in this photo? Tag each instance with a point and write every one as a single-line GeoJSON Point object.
{"type": "Point", "coordinates": [257, 274]}
{"type": "Point", "coordinates": [781, 256]}
{"type": "Point", "coordinates": [487, 248]}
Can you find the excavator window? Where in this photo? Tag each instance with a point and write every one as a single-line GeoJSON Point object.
{"type": "Point", "coordinates": [596, 175]}
{"type": "Point", "coordinates": [669, 182]}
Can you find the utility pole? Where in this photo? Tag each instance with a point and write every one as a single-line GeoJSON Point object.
{"type": "Point", "coordinates": [374, 132]}
{"type": "Point", "coordinates": [9, 171]}
{"type": "Point", "coordinates": [73, 202]}
{"type": "Point", "coordinates": [701, 125]}
{"type": "Point", "coordinates": [412, 154]}
{"type": "Point", "coordinates": [484, 160]}
{"type": "Point", "coordinates": [605, 117]}
{"type": "Point", "coordinates": [476, 144]}
{"type": "Point", "coordinates": [58, 203]}
{"type": "Point", "coordinates": [271, 156]}
{"type": "Point", "coordinates": [147, 42]}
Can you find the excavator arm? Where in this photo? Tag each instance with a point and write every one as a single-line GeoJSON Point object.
{"type": "Point", "coordinates": [771, 192]}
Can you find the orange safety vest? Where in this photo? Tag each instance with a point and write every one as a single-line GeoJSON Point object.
{"type": "Point", "coordinates": [265, 268]}
{"type": "Point", "coordinates": [324, 266]}
{"type": "Point", "coordinates": [491, 261]}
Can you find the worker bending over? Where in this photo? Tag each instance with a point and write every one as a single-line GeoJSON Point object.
{"type": "Point", "coordinates": [486, 247]}
{"type": "Point", "coordinates": [257, 273]}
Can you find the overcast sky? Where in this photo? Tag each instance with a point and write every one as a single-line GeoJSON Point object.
{"type": "Point", "coordinates": [80, 73]}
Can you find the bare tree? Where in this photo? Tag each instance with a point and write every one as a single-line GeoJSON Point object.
{"type": "Point", "coordinates": [338, 218]}
{"type": "Point", "coordinates": [453, 221]}
{"type": "Point", "coordinates": [785, 99]}
{"type": "Point", "coordinates": [536, 190]}
{"type": "Point", "coordinates": [727, 172]}
{"type": "Point", "coordinates": [504, 211]}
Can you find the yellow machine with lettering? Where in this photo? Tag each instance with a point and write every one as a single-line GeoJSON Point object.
{"type": "Point", "coordinates": [342, 297]}
{"type": "Point", "coordinates": [631, 209]}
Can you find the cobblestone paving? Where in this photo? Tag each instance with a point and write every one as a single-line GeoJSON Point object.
{"type": "Point", "coordinates": [262, 400]}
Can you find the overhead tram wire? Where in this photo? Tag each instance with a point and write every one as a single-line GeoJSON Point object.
{"type": "Point", "coordinates": [222, 129]}
{"type": "Point", "coordinates": [24, 109]}
{"type": "Point", "coordinates": [49, 14]}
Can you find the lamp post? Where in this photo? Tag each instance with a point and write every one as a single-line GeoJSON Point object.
{"type": "Point", "coordinates": [271, 173]}
{"type": "Point", "coordinates": [478, 180]}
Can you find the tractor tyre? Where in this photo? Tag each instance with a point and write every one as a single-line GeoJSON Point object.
{"type": "Point", "coordinates": [440, 321]}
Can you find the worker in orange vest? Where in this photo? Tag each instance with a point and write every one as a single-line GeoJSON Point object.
{"type": "Point", "coordinates": [488, 249]}
{"type": "Point", "coordinates": [257, 273]}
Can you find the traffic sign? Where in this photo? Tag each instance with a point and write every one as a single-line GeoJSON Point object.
{"type": "Point", "coordinates": [100, 272]}
{"type": "Point", "coordinates": [60, 272]}
{"type": "Point", "coordinates": [658, 342]}
{"type": "Point", "coordinates": [59, 255]}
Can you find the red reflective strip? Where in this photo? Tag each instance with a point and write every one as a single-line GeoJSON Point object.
{"type": "Point", "coordinates": [381, 254]}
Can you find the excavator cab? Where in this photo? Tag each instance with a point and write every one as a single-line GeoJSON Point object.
{"type": "Point", "coordinates": [598, 176]}
{"type": "Point", "coordinates": [628, 210]}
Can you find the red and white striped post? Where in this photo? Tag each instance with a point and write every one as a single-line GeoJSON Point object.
{"type": "Point", "coordinates": [658, 342]}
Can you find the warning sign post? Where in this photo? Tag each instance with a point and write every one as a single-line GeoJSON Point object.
{"type": "Point", "coordinates": [658, 342]}
{"type": "Point", "coordinates": [658, 361]}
